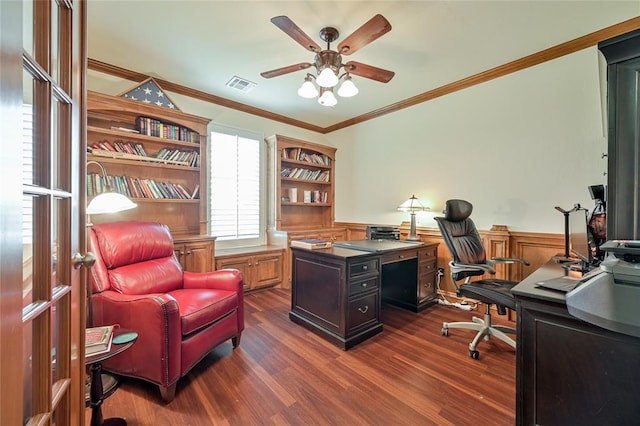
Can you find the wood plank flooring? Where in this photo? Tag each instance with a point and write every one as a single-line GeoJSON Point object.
{"type": "Point", "coordinates": [282, 374]}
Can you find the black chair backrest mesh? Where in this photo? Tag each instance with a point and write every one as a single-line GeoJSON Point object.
{"type": "Point", "coordinates": [461, 236]}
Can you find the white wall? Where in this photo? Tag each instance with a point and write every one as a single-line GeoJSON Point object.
{"type": "Point", "coordinates": [515, 147]}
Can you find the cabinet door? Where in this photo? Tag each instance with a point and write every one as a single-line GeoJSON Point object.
{"type": "Point", "coordinates": [241, 263]}
{"type": "Point", "coordinates": [198, 257]}
{"type": "Point", "coordinates": [267, 270]}
{"type": "Point", "coordinates": [331, 236]}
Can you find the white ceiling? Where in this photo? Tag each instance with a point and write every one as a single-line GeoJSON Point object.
{"type": "Point", "coordinates": [203, 44]}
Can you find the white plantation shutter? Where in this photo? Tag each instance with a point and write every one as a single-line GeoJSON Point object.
{"type": "Point", "coordinates": [236, 187]}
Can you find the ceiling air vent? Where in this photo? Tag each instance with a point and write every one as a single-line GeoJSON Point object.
{"type": "Point", "coordinates": [241, 84]}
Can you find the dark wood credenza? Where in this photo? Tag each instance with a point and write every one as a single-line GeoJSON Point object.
{"type": "Point", "coordinates": [570, 372]}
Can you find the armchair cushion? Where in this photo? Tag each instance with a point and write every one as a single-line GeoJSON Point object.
{"type": "Point", "coordinates": [151, 276]}
{"type": "Point", "coordinates": [200, 308]}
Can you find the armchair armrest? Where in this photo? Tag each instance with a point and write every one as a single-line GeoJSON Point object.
{"type": "Point", "coordinates": [156, 319]}
{"type": "Point", "coordinates": [508, 260]}
{"type": "Point", "coordinates": [472, 267]}
{"type": "Point", "coordinates": [222, 279]}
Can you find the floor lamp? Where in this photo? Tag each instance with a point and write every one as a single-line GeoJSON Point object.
{"type": "Point", "coordinates": [106, 202]}
{"type": "Point", "coordinates": [412, 205]}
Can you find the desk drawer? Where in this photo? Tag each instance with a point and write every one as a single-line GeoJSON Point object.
{"type": "Point", "coordinates": [363, 311]}
{"type": "Point", "coordinates": [369, 266]}
{"type": "Point", "coordinates": [428, 253]}
{"type": "Point", "coordinates": [427, 267]}
{"type": "Point", "coordinates": [399, 256]}
{"type": "Point", "coordinates": [362, 286]}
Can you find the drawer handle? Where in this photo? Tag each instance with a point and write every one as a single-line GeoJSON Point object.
{"type": "Point", "coordinates": [363, 310]}
{"type": "Point", "coordinates": [364, 285]}
{"type": "Point", "coordinates": [401, 256]}
{"type": "Point", "coordinates": [365, 267]}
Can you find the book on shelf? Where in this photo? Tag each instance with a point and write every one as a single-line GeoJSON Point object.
{"type": "Point", "coordinates": [97, 340]}
{"type": "Point", "coordinates": [307, 196]}
{"type": "Point", "coordinates": [311, 244]}
{"type": "Point", "coordinates": [293, 195]}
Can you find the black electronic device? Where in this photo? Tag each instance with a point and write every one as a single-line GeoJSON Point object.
{"type": "Point", "coordinates": [598, 192]}
{"type": "Point", "coordinates": [579, 237]}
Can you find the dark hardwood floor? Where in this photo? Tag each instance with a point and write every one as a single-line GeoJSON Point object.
{"type": "Point", "coordinates": [282, 374]}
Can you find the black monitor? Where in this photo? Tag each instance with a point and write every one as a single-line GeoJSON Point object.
{"type": "Point", "coordinates": [579, 236]}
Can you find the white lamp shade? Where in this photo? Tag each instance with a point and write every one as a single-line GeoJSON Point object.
{"type": "Point", "coordinates": [327, 99]}
{"type": "Point", "coordinates": [348, 89]}
{"type": "Point", "coordinates": [412, 205]}
{"type": "Point", "coordinates": [327, 78]}
{"type": "Point", "coordinates": [308, 90]}
{"type": "Point", "coordinates": [110, 202]}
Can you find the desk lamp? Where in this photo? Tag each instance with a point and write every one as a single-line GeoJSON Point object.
{"type": "Point", "coordinates": [412, 205]}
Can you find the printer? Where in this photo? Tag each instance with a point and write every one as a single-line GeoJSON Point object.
{"type": "Point", "coordinates": [609, 296]}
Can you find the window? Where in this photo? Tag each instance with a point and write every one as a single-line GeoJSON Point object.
{"type": "Point", "coordinates": [236, 187]}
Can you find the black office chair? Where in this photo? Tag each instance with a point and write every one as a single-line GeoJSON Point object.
{"type": "Point", "coordinates": [469, 260]}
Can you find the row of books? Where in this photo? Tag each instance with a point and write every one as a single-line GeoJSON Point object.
{"type": "Point", "coordinates": [190, 157]}
{"type": "Point", "coordinates": [134, 187]}
{"type": "Point", "coordinates": [152, 127]}
{"type": "Point", "coordinates": [301, 155]}
{"type": "Point", "coordinates": [291, 195]}
{"type": "Point", "coordinates": [120, 146]}
{"type": "Point", "coordinates": [301, 173]}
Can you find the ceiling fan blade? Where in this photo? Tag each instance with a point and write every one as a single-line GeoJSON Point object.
{"type": "Point", "coordinates": [293, 31]}
{"type": "Point", "coordinates": [368, 71]}
{"type": "Point", "coordinates": [285, 70]}
{"type": "Point", "coordinates": [368, 32]}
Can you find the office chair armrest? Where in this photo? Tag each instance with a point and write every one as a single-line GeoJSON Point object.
{"type": "Point", "coordinates": [471, 267]}
{"type": "Point", "coordinates": [508, 260]}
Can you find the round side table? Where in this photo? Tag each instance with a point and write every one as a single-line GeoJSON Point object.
{"type": "Point", "coordinates": [122, 340]}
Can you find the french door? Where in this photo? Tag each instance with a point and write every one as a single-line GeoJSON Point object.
{"type": "Point", "coordinates": [42, 51]}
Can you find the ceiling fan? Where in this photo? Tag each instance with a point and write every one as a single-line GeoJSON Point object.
{"type": "Point", "coordinates": [328, 62]}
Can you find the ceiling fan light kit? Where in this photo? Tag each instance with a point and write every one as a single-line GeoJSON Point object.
{"type": "Point", "coordinates": [328, 62]}
{"type": "Point", "coordinates": [308, 89]}
{"type": "Point", "coordinates": [327, 98]}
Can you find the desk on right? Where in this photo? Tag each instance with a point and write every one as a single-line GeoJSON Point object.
{"type": "Point", "coordinates": [568, 371]}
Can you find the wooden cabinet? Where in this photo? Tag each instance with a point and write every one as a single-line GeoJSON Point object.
{"type": "Point", "coordinates": [402, 286]}
{"type": "Point", "coordinates": [623, 172]}
{"type": "Point", "coordinates": [296, 167]}
{"type": "Point", "coordinates": [568, 371]}
{"type": "Point", "coordinates": [259, 270]}
{"type": "Point", "coordinates": [196, 253]}
{"type": "Point", "coordinates": [336, 294]}
{"type": "Point", "coordinates": [162, 174]}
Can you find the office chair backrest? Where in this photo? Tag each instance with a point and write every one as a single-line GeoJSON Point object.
{"type": "Point", "coordinates": [461, 236]}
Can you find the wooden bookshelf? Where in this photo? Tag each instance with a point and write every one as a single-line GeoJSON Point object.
{"type": "Point", "coordinates": [294, 218]}
{"type": "Point", "coordinates": [297, 167]}
{"type": "Point", "coordinates": [161, 149]}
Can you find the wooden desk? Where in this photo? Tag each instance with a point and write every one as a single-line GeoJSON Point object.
{"type": "Point", "coordinates": [570, 372]}
{"type": "Point", "coordinates": [337, 292]}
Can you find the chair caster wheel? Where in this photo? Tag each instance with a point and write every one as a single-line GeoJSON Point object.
{"type": "Point", "coordinates": [445, 331]}
{"type": "Point", "coordinates": [474, 354]}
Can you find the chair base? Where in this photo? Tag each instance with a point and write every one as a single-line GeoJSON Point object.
{"type": "Point", "coordinates": [485, 331]}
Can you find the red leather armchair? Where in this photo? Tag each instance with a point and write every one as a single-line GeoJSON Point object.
{"type": "Point", "coordinates": [180, 316]}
